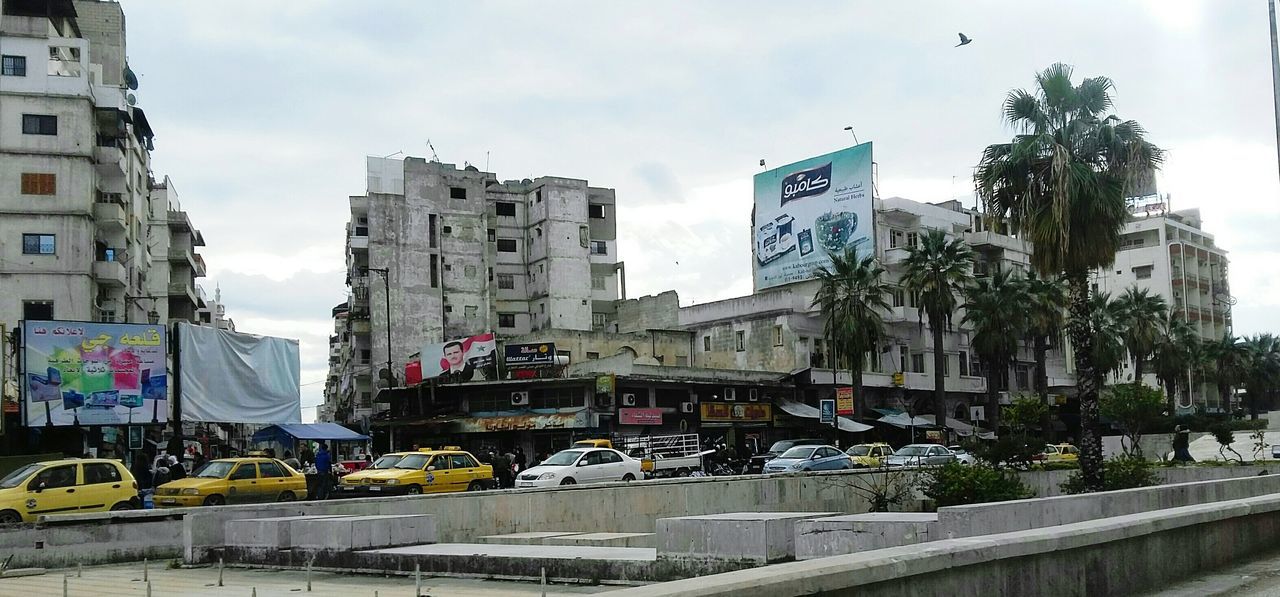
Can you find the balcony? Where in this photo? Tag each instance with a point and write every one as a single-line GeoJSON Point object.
{"type": "Point", "coordinates": [109, 217]}
{"type": "Point", "coordinates": [987, 239]}
{"type": "Point", "coordinates": [199, 265]}
{"type": "Point", "coordinates": [183, 290]}
{"type": "Point", "coordinates": [179, 221]}
{"type": "Point", "coordinates": [899, 314]}
{"type": "Point", "coordinates": [109, 157]}
{"type": "Point", "coordinates": [183, 256]}
{"type": "Point", "coordinates": [110, 273]}
{"type": "Point", "coordinates": [360, 326]}
{"type": "Point", "coordinates": [359, 242]}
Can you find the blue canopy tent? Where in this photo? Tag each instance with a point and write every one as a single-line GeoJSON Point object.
{"type": "Point", "coordinates": [321, 432]}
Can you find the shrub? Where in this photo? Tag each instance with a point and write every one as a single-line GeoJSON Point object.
{"type": "Point", "coordinates": [1124, 472]}
{"type": "Point", "coordinates": [1007, 451]}
{"type": "Point", "coordinates": [955, 484]}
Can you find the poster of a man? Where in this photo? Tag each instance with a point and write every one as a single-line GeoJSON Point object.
{"type": "Point", "coordinates": [465, 359]}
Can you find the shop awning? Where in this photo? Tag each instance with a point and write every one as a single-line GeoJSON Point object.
{"type": "Point", "coordinates": [804, 411]}
{"type": "Point", "coordinates": [332, 432]}
{"type": "Point", "coordinates": [961, 428]}
{"type": "Point", "coordinates": [902, 420]}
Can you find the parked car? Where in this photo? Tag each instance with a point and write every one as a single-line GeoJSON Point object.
{"type": "Point", "coordinates": [357, 483]}
{"type": "Point", "coordinates": [1059, 453]}
{"type": "Point", "coordinates": [581, 465]}
{"type": "Point", "coordinates": [869, 455]}
{"type": "Point", "coordinates": [66, 486]}
{"type": "Point", "coordinates": [756, 464]}
{"type": "Point", "coordinates": [809, 458]}
{"type": "Point", "coordinates": [920, 455]}
{"type": "Point", "coordinates": [432, 471]}
{"type": "Point", "coordinates": [232, 481]}
{"type": "Point", "coordinates": [963, 456]}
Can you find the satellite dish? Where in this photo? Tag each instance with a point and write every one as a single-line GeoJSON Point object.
{"type": "Point", "coordinates": [129, 97]}
{"type": "Point", "coordinates": [130, 79]}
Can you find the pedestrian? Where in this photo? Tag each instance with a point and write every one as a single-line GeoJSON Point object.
{"type": "Point", "coordinates": [306, 455]}
{"type": "Point", "coordinates": [1182, 444]}
{"type": "Point", "coordinates": [176, 470]}
{"type": "Point", "coordinates": [324, 472]}
{"type": "Point", "coordinates": [141, 470]}
{"type": "Point", "coordinates": [160, 472]}
{"type": "Point", "coordinates": [502, 470]}
{"type": "Point", "coordinates": [520, 459]}
{"type": "Point", "coordinates": [291, 461]}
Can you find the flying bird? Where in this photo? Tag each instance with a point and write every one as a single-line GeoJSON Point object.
{"type": "Point", "coordinates": [964, 40]}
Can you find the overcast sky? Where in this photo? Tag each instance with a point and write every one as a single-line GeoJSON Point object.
{"type": "Point", "coordinates": [264, 112]}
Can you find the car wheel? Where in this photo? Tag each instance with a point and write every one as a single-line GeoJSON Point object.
{"type": "Point", "coordinates": [286, 496]}
{"type": "Point", "coordinates": [10, 517]}
{"type": "Point", "coordinates": [415, 490]}
{"type": "Point", "coordinates": [475, 486]}
{"type": "Point", "coordinates": [568, 481]}
{"type": "Point", "coordinates": [628, 477]}
{"type": "Point", "coordinates": [122, 506]}
{"type": "Point", "coordinates": [214, 500]}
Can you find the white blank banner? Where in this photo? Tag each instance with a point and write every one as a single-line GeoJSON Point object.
{"type": "Point", "coordinates": [228, 377]}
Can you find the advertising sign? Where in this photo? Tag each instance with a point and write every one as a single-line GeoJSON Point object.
{"type": "Point", "coordinates": [529, 355]}
{"type": "Point", "coordinates": [233, 377]}
{"type": "Point", "coordinates": [640, 416]}
{"type": "Point", "coordinates": [94, 373]}
{"type": "Point", "coordinates": [604, 386]}
{"type": "Point", "coordinates": [465, 359]}
{"type": "Point", "coordinates": [844, 401]}
{"type": "Point", "coordinates": [574, 420]}
{"type": "Point", "coordinates": [810, 210]}
{"type": "Point", "coordinates": [827, 411]}
{"type": "Point", "coordinates": [721, 412]}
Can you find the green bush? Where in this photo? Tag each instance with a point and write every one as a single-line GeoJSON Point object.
{"type": "Point", "coordinates": [1118, 473]}
{"type": "Point", "coordinates": [1008, 451]}
{"type": "Point", "coordinates": [955, 484]}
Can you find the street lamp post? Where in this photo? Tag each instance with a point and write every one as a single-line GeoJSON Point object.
{"type": "Point", "coordinates": [386, 283]}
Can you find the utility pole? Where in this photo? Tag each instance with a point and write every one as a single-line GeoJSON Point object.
{"type": "Point", "coordinates": [1275, 73]}
{"type": "Point", "coordinates": [386, 283]}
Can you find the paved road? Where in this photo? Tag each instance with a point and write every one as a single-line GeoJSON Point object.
{"type": "Point", "coordinates": [125, 580]}
{"type": "Point", "coordinates": [1258, 578]}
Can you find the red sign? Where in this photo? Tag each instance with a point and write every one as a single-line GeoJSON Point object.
{"type": "Point", "coordinates": [844, 401]}
{"type": "Point", "coordinates": [640, 416]}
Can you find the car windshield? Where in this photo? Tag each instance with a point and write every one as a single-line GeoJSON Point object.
{"type": "Point", "coordinates": [911, 451]}
{"type": "Point", "coordinates": [859, 451]}
{"type": "Point", "coordinates": [799, 452]}
{"type": "Point", "coordinates": [564, 458]}
{"type": "Point", "coordinates": [16, 478]}
{"type": "Point", "coordinates": [956, 449]}
{"type": "Point", "coordinates": [387, 461]}
{"type": "Point", "coordinates": [412, 461]}
{"type": "Point", "coordinates": [214, 469]}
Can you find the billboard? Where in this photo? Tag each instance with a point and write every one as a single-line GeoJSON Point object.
{"type": "Point", "coordinates": [94, 373]}
{"type": "Point", "coordinates": [810, 210]}
{"type": "Point", "coordinates": [465, 359]}
{"type": "Point", "coordinates": [529, 355]}
{"type": "Point", "coordinates": [232, 377]}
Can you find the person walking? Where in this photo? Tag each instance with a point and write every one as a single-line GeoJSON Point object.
{"type": "Point", "coordinates": [176, 470]}
{"type": "Point", "coordinates": [324, 472]}
{"type": "Point", "coordinates": [502, 470]}
{"type": "Point", "coordinates": [1182, 444]}
{"type": "Point", "coordinates": [520, 459]}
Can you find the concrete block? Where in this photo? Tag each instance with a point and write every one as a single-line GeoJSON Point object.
{"type": "Point", "coordinates": [270, 532]}
{"type": "Point", "coordinates": [822, 537]}
{"type": "Point", "coordinates": [604, 540]}
{"type": "Point", "coordinates": [760, 537]}
{"type": "Point", "coordinates": [363, 532]}
{"type": "Point", "coordinates": [535, 538]}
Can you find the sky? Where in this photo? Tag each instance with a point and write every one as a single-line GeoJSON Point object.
{"type": "Point", "coordinates": [265, 111]}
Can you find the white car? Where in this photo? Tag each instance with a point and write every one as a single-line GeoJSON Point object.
{"type": "Point", "coordinates": [963, 456]}
{"type": "Point", "coordinates": [581, 465]}
{"type": "Point", "coordinates": [914, 455]}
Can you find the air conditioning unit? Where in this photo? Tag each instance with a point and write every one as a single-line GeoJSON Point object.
{"type": "Point", "coordinates": [730, 394]}
{"type": "Point", "coordinates": [519, 399]}
{"type": "Point", "coordinates": [686, 407]}
{"type": "Point", "coordinates": [628, 399]}
{"type": "Point", "coordinates": [753, 395]}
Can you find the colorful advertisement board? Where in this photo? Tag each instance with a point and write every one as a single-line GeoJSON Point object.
{"type": "Point", "coordinates": [810, 210]}
{"type": "Point", "coordinates": [640, 416]}
{"type": "Point", "coordinates": [844, 401]}
{"type": "Point", "coordinates": [827, 411]}
{"type": "Point", "coordinates": [529, 355]}
{"type": "Point", "coordinates": [723, 412]}
{"type": "Point", "coordinates": [94, 373]}
{"type": "Point", "coordinates": [466, 359]}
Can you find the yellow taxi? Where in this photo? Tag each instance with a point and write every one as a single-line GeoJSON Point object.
{"type": "Point", "coordinates": [357, 483]}
{"type": "Point", "coordinates": [868, 455]}
{"type": "Point", "coordinates": [66, 486]}
{"type": "Point", "coordinates": [432, 471]}
{"type": "Point", "coordinates": [1061, 453]}
{"type": "Point", "coordinates": [234, 481]}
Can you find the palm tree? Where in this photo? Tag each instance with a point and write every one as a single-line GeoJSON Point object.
{"type": "Point", "coordinates": [995, 308]}
{"type": "Point", "coordinates": [852, 294]}
{"type": "Point", "coordinates": [1228, 364]}
{"type": "Point", "coordinates": [1045, 309]}
{"type": "Point", "coordinates": [1062, 181]}
{"type": "Point", "coordinates": [1142, 315]}
{"type": "Point", "coordinates": [1106, 325]}
{"type": "Point", "coordinates": [937, 271]}
{"type": "Point", "coordinates": [1263, 373]}
{"type": "Point", "coordinates": [1173, 356]}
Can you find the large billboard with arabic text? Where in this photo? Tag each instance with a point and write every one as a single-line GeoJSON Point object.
{"type": "Point", "coordinates": [94, 373]}
{"type": "Point", "coordinates": [808, 211]}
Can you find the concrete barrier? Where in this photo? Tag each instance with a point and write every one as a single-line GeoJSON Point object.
{"type": "Point", "coordinates": [823, 537]}
{"type": "Point", "coordinates": [266, 533]}
{"type": "Point", "coordinates": [345, 533]}
{"type": "Point", "coordinates": [757, 537]}
{"type": "Point", "coordinates": [95, 539]}
{"type": "Point", "coordinates": [604, 540]}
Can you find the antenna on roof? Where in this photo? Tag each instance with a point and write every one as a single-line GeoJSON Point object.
{"type": "Point", "coordinates": [434, 157]}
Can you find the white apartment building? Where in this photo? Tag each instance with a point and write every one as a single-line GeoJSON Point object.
{"type": "Point", "coordinates": [466, 254]}
{"type": "Point", "coordinates": [1170, 255]}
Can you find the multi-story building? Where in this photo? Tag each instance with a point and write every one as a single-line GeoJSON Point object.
{"type": "Point", "coordinates": [464, 253]}
{"type": "Point", "coordinates": [1171, 256]}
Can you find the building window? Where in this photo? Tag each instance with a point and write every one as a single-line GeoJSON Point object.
{"type": "Point", "coordinates": [506, 320]}
{"type": "Point", "coordinates": [946, 365]}
{"type": "Point", "coordinates": [682, 360]}
{"type": "Point", "coordinates": [435, 272]}
{"type": "Point", "coordinates": [964, 364]}
{"type": "Point", "coordinates": [505, 209]}
{"type": "Point", "coordinates": [457, 193]}
{"type": "Point", "coordinates": [903, 352]}
{"type": "Point", "coordinates": [39, 124]}
{"type": "Point", "coordinates": [896, 239]}
{"type": "Point", "coordinates": [975, 365]}
{"type": "Point", "coordinates": [365, 356]}
{"type": "Point", "coordinates": [913, 239]}
{"type": "Point", "coordinates": [431, 231]}
{"type": "Point", "coordinates": [777, 335]}
{"type": "Point", "coordinates": [507, 245]}
{"type": "Point", "coordinates": [597, 283]}
{"type": "Point", "coordinates": [13, 66]}
{"type": "Point", "coordinates": [493, 235]}
{"type": "Point", "coordinates": [599, 247]}
{"type": "Point", "coordinates": [469, 271]}
{"type": "Point", "coordinates": [598, 320]}
{"type": "Point", "coordinates": [469, 311]}
{"type": "Point", "coordinates": [448, 268]}
{"type": "Point", "coordinates": [706, 344]}
{"type": "Point", "coordinates": [740, 340]}
{"type": "Point", "coordinates": [38, 244]}
{"type": "Point", "coordinates": [39, 184]}
{"type": "Point", "coordinates": [37, 310]}
{"type": "Point", "coordinates": [446, 229]}
{"type": "Point", "coordinates": [506, 281]}
{"type": "Point", "coordinates": [537, 196]}
{"type": "Point", "coordinates": [591, 356]}
{"type": "Point", "coordinates": [1143, 272]}
{"type": "Point", "coordinates": [64, 61]}
{"type": "Point", "coordinates": [897, 297]}
{"type": "Point", "coordinates": [917, 362]}
{"type": "Point", "coordinates": [556, 398]}
{"type": "Point", "coordinates": [106, 316]}
{"type": "Point", "coordinates": [1023, 373]}
{"type": "Point", "coordinates": [595, 210]}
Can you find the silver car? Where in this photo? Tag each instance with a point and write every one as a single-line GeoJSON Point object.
{"type": "Point", "coordinates": [912, 455]}
{"type": "Point", "coordinates": [963, 456]}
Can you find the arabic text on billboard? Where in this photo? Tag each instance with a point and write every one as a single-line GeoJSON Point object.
{"type": "Point", "coordinates": [810, 210]}
{"type": "Point", "coordinates": [465, 359]}
{"type": "Point", "coordinates": [94, 373]}
{"type": "Point", "coordinates": [529, 355]}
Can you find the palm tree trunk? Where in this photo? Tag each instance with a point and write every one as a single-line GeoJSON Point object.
{"type": "Point", "coordinates": [939, 380]}
{"type": "Point", "coordinates": [993, 400]}
{"type": "Point", "coordinates": [1042, 369]}
{"type": "Point", "coordinates": [859, 400]}
{"type": "Point", "coordinates": [1171, 392]}
{"type": "Point", "coordinates": [1086, 381]}
{"type": "Point", "coordinates": [1137, 369]}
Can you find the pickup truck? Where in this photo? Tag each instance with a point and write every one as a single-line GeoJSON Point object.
{"type": "Point", "coordinates": [659, 456]}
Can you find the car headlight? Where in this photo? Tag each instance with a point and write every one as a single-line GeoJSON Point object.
{"type": "Point", "coordinates": [191, 491]}
{"type": "Point", "coordinates": [798, 466]}
{"type": "Point", "coordinates": [545, 476]}
{"type": "Point", "coordinates": [393, 481]}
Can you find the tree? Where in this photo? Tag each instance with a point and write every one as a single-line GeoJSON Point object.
{"type": "Point", "coordinates": [852, 294]}
{"type": "Point", "coordinates": [1134, 407]}
{"type": "Point", "coordinates": [1141, 317]}
{"type": "Point", "coordinates": [1262, 374]}
{"type": "Point", "coordinates": [995, 308]}
{"type": "Point", "coordinates": [937, 271]}
{"type": "Point", "coordinates": [1062, 181]}
{"type": "Point", "coordinates": [1173, 356]}
{"type": "Point", "coordinates": [1045, 305]}
{"type": "Point", "coordinates": [1107, 330]}
{"type": "Point", "coordinates": [1228, 364]}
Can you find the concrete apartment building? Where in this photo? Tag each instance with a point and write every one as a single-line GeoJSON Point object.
{"type": "Point", "coordinates": [466, 254]}
{"type": "Point", "coordinates": [1170, 255]}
